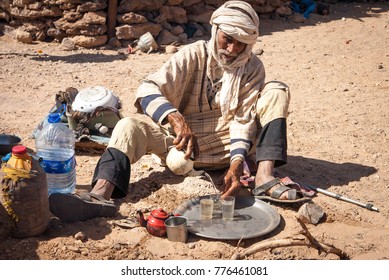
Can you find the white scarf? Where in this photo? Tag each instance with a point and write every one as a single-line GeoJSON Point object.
{"type": "Point", "coordinates": [239, 20]}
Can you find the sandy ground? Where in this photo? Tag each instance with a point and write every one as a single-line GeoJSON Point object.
{"type": "Point", "coordinates": [337, 69]}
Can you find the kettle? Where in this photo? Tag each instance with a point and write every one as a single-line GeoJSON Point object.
{"type": "Point", "coordinates": [155, 222]}
{"type": "Point", "coordinates": [146, 43]}
{"type": "Point", "coordinates": [177, 163]}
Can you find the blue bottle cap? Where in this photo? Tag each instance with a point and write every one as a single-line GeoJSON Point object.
{"type": "Point", "coordinates": [54, 118]}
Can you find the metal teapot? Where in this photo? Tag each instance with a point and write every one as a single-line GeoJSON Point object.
{"type": "Point", "coordinates": [177, 163]}
{"type": "Point", "coordinates": [155, 222]}
{"type": "Point", "coordinates": [146, 43]}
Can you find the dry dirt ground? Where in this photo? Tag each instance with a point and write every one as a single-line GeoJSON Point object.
{"type": "Point", "coordinates": [337, 67]}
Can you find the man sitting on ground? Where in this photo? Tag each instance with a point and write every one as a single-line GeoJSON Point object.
{"type": "Point", "coordinates": [209, 99]}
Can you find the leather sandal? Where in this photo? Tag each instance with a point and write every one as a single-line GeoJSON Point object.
{"type": "Point", "coordinates": [74, 207]}
{"type": "Point", "coordinates": [294, 196]}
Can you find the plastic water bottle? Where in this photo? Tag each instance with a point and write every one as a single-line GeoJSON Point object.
{"type": "Point", "coordinates": [55, 145]}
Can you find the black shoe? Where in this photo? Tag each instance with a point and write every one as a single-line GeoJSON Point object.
{"type": "Point", "coordinates": [73, 207]}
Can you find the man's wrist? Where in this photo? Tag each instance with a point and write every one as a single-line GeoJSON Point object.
{"type": "Point", "coordinates": [167, 118]}
{"type": "Point", "coordinates": [237, 157]}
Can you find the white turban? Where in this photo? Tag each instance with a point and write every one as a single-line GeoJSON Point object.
{"type": "Point", "coordinates": [237, 19]}
{"type": "Point", "coordinates": [240, 21]}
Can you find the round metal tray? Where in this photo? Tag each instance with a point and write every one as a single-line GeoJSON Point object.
{"type": "Point", "coordinates": [252, 218]}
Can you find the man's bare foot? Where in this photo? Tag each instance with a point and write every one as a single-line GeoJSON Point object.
{"type": "Point", "coordinates": [263, 179]}
{"type": "Point", "coordinates": [265, 173]}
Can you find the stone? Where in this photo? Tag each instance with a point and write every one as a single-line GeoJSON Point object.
{"type": "Point", "coordinates": [90, 42]}
{"type": "Point", "coordinates": [166, 38]}
{"type": "Point", "coordinates": [201, 18]}
{"type": "Point", "coordinates": [68, 6]}
{"type": "Point", "coordinates": [144, 5]}
{"type": "Point", "coordinates": [35, 6]}
{"type": "Point", "coordinates": [310, 213]}
{"type": "Point", "coordinates": [215, 3]}
{"type": "Point", "coordinates": [276, 3]}
{"type": "Point", "coordinates": [21, 3]}
{"type": "Point", "coordinates": [159, 19]}
{"type": "Point", "coordinates": [174, 14]}
{"type": "Point", "coordinates": [56, 33]}
{"type": "Point", "coordinates": [90, 30]}
{"type": "Point", "coordinates": [23, 36]}
{"type": "Point", "coordinates": [284, 11]}
{"type": "Point", "coordinates": [94, 6]}
{"type": "Point", "coordinates": [197, 8]}
{"type": "Point", "coordinates": [174, 2]}
{"type": "Point", "coordinates": [131, 18]}
{"type": "Point", "coordinates": [41, 36]}
{"type": "Point", "coordinates": [114, 42]}
{"type": "Point", "coordinates": [80, 236]}
{"type": "Point", "coordinates": [263, 9]}
{"type": "Point", "coordinates": [128, 32]}
{"type": "Point", "coordinates": [258, 51]}
{"type": "Point", "coordinates": [171, 49]}
{"type": "Point", "coordinates": [167, 26]}
{"type": "Point", "coordinates": [67, 44]}
{"type": "Point", "coordinates": [72, 16]}
{"type": "Point", "coordinates": [4, 16]}
{"type": "Point", "coordinates": [298, 18]}
{"type": "Point", "coordinates": [177, 30]}
{"type": "Point", "coordinates": [89, 19]}
{"type": "Point", "coordinates": [70, 1]}
{"type": "Point", "coordinates": [5, 5]}
{"type": "Point", "coordinates": [198, 33]}
{"type": "Point", "coordinates": [187, 3]}
{"type": "Point", "coordinates": [183, 38]}
{"type": "Point", "coordinates": [207, 27]}
{"type": "Point", "coordinates": [99, 17]}
{"type": "Point", "coordinates": [52, 11]}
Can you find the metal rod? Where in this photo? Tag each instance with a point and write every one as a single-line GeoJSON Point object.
{"type": "Point", "coordinates": [368, 206]}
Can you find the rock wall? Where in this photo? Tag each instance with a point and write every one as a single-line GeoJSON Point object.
{"type": "Point", "coordinates": [119, 23]}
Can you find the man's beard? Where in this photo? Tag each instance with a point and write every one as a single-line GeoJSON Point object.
{"type": "Point", "coordinates": [225, 57]}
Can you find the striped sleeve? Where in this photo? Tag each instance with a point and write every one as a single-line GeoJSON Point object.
{"type": "Point", "coordinates": [240, 139]}
{"type": "Point", "coordinates": [156, 106]}
{"type": "Point", "coordinates": [171, 88]}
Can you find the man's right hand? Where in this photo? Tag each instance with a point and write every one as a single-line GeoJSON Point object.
{"type": "Point", "coordinates": [185, 138]}
{"type": "Point", "coordinates": [231, 181]}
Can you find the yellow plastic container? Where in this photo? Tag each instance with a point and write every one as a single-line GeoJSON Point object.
{"type": "Point", "coordinates": [20, 159]}
{"type": "Point", "coordinates": [24, 194]}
